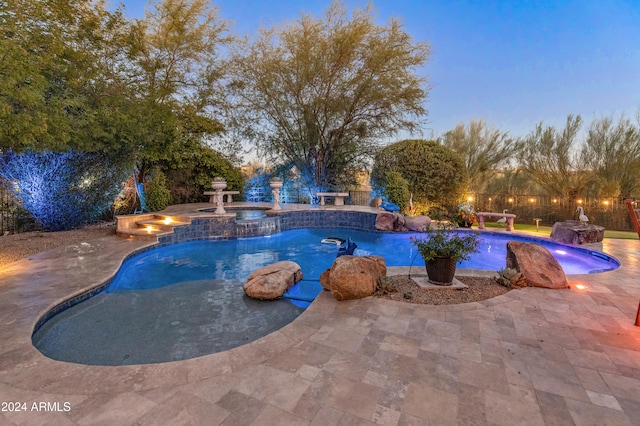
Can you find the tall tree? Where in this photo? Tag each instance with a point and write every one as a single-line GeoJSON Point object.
{"type": "Point", "coordinates": [178, 75]}
{"type": "Point", "coordinates": [51, 74]}
{"type": "Point", "coordinates": [552, 160]}
{"type": "Point", "coordinates": [483, 149]}
{"type": "Point", "coordinates": [323, 92]}
{"type": "Point", "coordinates": [612, 151]}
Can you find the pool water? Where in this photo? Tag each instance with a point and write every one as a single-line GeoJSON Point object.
{"type": "Point", "coordinates": [237, 259]}
{"type": "Point", "coordinates": [185, 300]}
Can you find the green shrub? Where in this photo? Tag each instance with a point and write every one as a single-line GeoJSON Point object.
{"type": "Point", "coordinates": [191, 174]}
{"type": "Point", "coordinates": [157, 193]}
{"type": "Point", "coordinates": [396, 189]}
{"type": "Point", "coordinates": [435, 175]}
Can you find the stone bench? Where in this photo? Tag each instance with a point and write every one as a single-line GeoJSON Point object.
{"type": "Point", "coordinates": [510, 217]}
{"type": "Point", "coordinates": [339, 196]}
{"type": "Point", "coordinates": [212, 195]}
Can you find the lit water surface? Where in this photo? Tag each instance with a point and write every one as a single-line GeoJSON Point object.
{"type": "Point", "coordinates": [237, 259]}
{"type": "Point", "coordinates": [143, 317]}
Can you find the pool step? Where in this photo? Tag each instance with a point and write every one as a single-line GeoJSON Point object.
{"type": "Point", "coordinates": [148, 226]}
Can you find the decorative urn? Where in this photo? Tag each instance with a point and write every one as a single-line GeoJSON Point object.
{"type": "Point", "coordinates": [219, 183]}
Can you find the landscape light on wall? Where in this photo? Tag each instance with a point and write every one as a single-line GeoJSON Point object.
{"type": "Point", "coordinates": [532, 200]}
{"type": "Point", "coordinates": [579, 201]}
{"type": "Point", "coordinates": [581, 287]}
{"type": "Point", "coordinates": [167, 220]}
{"type": "Point", "coordinates": [469, 198]}
{"type": "Point", "coordinates": [511, 200]}
{"type": "Point", "coordinates": [554, 201]}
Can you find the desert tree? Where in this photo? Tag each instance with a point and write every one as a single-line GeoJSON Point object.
{"type": "Point", "coordinates": [176, 77]}
{"type": "Point", "coordinates": [322, 93]}
{"type": "Point", "coordinates": [483, 148]}
{"type": "Point", "coordinates": [57, 90]}
{"type": "Point", "coordinates": [552, 159]}
{"type": "Point", "coordinates": [612, 151]}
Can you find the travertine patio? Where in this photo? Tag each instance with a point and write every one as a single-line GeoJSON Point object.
{"type": "Point", "coordinates": [532, 356]}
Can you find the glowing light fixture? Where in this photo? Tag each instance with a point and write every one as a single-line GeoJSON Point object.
{"type": "Point", "coordinates": [531, 200]}
{"type": "Point", "coordinates": [149, 229]}
{"type": "Point", "coordinates": [561, 252]}
{"type": "Point", "coordinates": [511, 200]}
{"type": "Point", "coordinates": [554, 201]}
{"type": "Point", "coordinates": [581, 287]}
{"type": "Point", "coordinates": [469, 198]}
{"type": "Point", "coordinates": [579, 201]}
{"type": "Point", "coordinates": [605, 202]}
{"type": "Point", "coordinates": [167, 220]}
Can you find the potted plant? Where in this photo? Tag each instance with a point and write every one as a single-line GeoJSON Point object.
{"type": "Point", "coordinates": [442, 247]}
{"type": "Point", "coordinates": [465, 216]}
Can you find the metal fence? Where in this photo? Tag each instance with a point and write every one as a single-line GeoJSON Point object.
{"type": "Point", "coordinates": [611, 213]}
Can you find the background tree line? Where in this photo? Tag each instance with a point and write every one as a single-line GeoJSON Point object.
{"type": "Point", "coordinates": [178, 96]}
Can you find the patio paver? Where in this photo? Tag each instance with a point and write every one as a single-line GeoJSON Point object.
{"type": "Point", "coordinates": [531, 356]}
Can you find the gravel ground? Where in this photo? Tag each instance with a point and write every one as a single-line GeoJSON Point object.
{"type": "Point", "coordinates": [17, 246]}
{"type": "Point", "coordinates": [404, 289]}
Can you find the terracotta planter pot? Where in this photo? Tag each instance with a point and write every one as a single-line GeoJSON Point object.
{"type": "Point", "coordinates": [441, 270]}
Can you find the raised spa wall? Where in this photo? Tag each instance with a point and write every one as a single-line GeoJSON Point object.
{"type": "Point", "coordinates": [227, 227]}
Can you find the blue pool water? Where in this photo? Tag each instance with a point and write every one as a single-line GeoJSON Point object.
{"type": "Point", "coordinates": [237, 259]}
{"type": "Point", "coordinates": [144, 316]}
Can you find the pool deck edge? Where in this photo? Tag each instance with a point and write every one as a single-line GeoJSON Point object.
{"type": "Point", "coordinates": [345, 359]}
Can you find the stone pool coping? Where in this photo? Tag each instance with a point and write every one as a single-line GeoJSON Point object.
{"type": "Point", "coordinates": [541, 354]}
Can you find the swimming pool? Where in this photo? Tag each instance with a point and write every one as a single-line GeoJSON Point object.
{"type": "Point", "coordinates": [185, 300]}
{"type": "Point", "coordinates": [238, 258]}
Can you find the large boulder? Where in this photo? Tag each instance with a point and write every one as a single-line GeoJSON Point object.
{"type": "Point", "coordinates": [388, 221]}
{"type": "Point", "coordinates": [354, 277]}
{"type": "Point", "coordinates": [417, 223]}
{"type": "Point", "coordinates": [537, 265]}
{"type": "Point", "coordinates": [273, 280]}
{"type": "Point", "coordinates": [576, 232]}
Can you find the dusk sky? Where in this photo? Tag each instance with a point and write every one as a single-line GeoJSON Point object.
{"type": "Point", "coordinates": [512, 63]}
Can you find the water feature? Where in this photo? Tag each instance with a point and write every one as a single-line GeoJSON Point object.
{"type": "Point", "coordinates": [184, 300]}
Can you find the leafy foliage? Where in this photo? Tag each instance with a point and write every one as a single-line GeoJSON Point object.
{"type": "Point", "coordinates": [143, 90]}
{"type": "Point", "coordinates": [63, 190]}
{"type": "Point", "coordinates": [483, 149]}
{"type": "Point", "coordinates": [442, 239]}
{"type": "Point", "coordinates": [322, 92]}
{"type": "Point", "coordinates": [157, 193]}
{"type": "Point", "coordinates": [191, 174]}
{"type": "Point", "coordinates": [612, 151]}
{"type": "Point", "coordinates": [551, 159]}
{"type": "Point", "coordinates": [396, 189]}
{"type": "Point", "coordinates": [435, 174]}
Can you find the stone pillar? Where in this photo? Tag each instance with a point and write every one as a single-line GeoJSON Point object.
{"type": "Point", "coordinates": [218, 185]}
{"type": "Point", "coordinates": [276, 184]}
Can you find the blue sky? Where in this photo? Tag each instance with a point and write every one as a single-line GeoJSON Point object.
{"type": "Point", "coordinates": [512, 63]}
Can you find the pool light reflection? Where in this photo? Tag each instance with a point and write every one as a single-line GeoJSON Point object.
{"type": "Point", "coordinates": [561, 252]}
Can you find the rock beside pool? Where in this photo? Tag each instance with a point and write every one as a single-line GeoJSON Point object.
{"type": "Point", "coordinates": [354, 277]}
{"type": "Point", "coordinates": [537, 264]}
{"type": "Point", "coordinates": [272, 281]}
{"type": "Point", "coordinates": [388, 221]}
{"type": "Point", "coordinates": [576, 232]}
{"type": "Point", "coordinates": [417, 223]}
